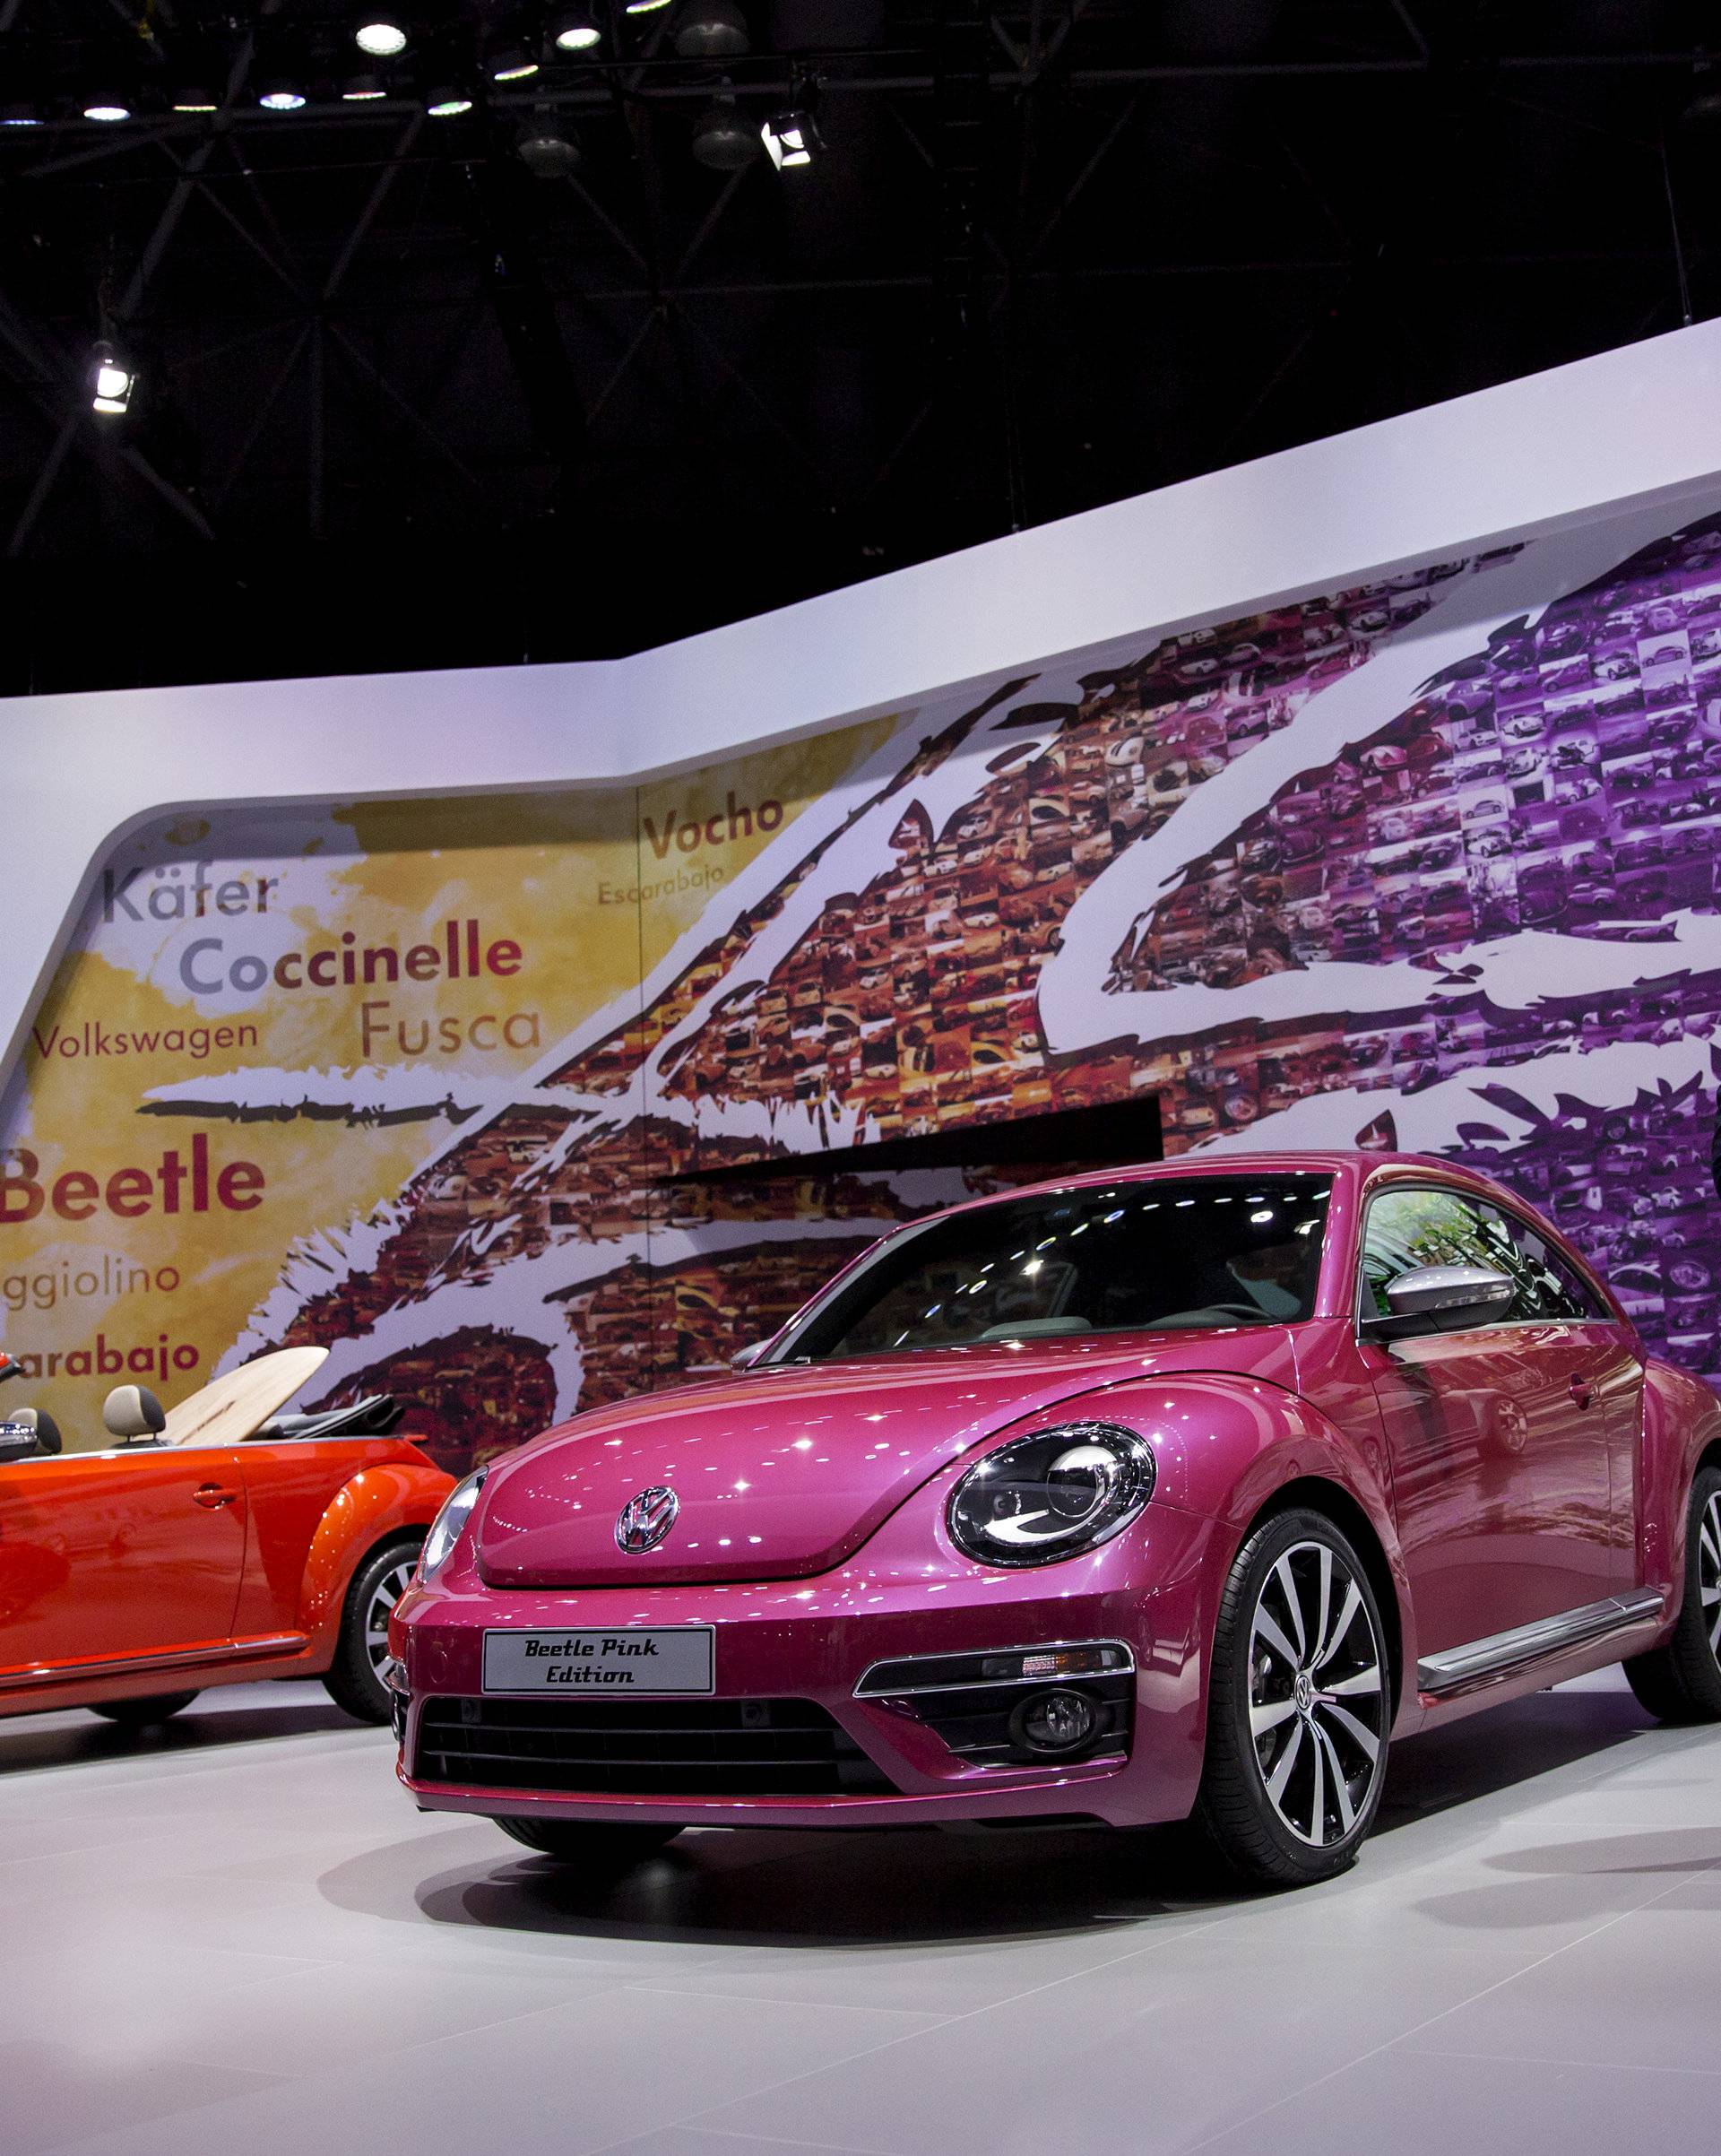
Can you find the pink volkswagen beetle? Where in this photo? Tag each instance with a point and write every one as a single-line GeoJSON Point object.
{"type": "Point", "coordinates": [1183, 1490]}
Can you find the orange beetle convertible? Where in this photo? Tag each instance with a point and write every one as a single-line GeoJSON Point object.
{"type": "Point", "coordinates": [220, 1543]}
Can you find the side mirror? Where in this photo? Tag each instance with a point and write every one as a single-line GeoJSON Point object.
{"type": "Point", "coordinates": [1443, 1298]}
{"type": "Point", "coordinates": [17, 1441]}
{"type": "Point", "coordinates": [47, 1431]}
{"type": "Point", "coordinates": [749, 1356]}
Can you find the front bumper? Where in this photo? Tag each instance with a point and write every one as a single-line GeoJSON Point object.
{"type": "Point", "coordinates": [813, 1640]}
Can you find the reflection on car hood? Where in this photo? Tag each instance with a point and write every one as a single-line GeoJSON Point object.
{"type": "Point", "coordinates": [785, 1472]}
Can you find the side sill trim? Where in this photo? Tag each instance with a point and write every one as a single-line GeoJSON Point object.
{"type": "Point", "coordinates": [1503, 1650]}
{"type": "Point", "coordinates": [254, 1649]}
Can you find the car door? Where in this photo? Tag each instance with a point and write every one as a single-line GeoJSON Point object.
{"type": "Point", "coordinates": [112, 1555]}
{"type": "Point", "coordinates": [290, 1485]}
{"type": "Point", "coordinates": [1500, 1438]}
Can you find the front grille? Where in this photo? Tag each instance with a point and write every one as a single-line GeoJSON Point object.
{"type": "Point", "coordinates": [643, 1748]}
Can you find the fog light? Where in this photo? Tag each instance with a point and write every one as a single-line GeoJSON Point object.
{"type": "Point", "coordinates": [1054, 1721]}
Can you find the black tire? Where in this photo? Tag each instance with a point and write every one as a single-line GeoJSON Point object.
{"type": "Point", "coordinates": [1680, 1682]}
{"type": "Point", "coordinates": [354, 1679]}
{"type": "Point", "coordinates": [603, 1844]}
{"type": "Point", "coordinates": [143, 1714]}
{"type": "Point", "coordinates": [1297, 1725]}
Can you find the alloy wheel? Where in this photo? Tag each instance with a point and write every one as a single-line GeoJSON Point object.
{"type": "Point", "coordinates": [1708, 1570]}
{"type": "Point", "coordinates": [1318, 1695]}
{"type": "Point", "coordinates": [388, 1591]}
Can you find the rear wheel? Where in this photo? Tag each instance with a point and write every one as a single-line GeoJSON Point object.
{"type": "Point", "coordinates": [354, 1679]}
{"type": "Point", "coordinates": [1682, 1681]}
{"type": "Point", "coordinates": [143, 1714]}
{"type": "Point", "coordinates": [601, 1844]}
{"type": "Point", "coordinates": [1300, 1706]}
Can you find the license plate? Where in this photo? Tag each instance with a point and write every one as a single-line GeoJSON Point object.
{"type": "Point", "coordinates": [608, 1664]}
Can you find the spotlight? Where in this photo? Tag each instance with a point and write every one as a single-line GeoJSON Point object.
{"type": "Point", "coordinates": [383, 37]}
{"type": "Point", "coordinates": [645, 7]}
{"type": "Point", "coordinates": [280, 95]}
{"type": "Point", "coordinates": [709, 30]}
{"type": "Point", "coordinates": [447, 104]}
{"type": "Point", "coordinates": [791, 138]}
{"type": "Point", "coordinates": [362, 90]}
{"type": "Point", "coordinates": [545, 151]}
{"type": "Point", "coordinates": [572, 29]}
{"type": "Point", "coordinates": [722, 138]}
{"type": "Point", "coordinates": [107, 108]}
{"type": "Point", "coordinates": [510, 63]}
{"type": "Point", "coordinates": [195, 97]}
{"type": "Point", "coordinates": [20, 115]}
{"type": "Point", "coordinates": [111, 379]}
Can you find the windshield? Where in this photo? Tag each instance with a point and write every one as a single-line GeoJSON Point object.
{"type": "Point", "coordinates": [1171, 1253]}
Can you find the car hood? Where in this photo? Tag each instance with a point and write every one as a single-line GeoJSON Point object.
{"type": "Point", "coordinates": [785, 1472]}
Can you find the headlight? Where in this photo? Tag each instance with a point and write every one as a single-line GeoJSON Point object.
{"type": "Point", "coordinates": [445, 1528]}
{"type": "Point", "coordinates": [1052, 1495]}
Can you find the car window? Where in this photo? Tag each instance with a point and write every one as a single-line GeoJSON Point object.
{"type": "Point", "coordinates": [1548, 1286]}
{"type": "Point", "coordinates": [1430, 1226]}
{"type": "Point", "coordinates": [1424, 1227]}
{"type": "Point", "coordinates": [1182, 1252]}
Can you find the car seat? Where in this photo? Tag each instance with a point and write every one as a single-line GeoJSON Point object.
{"type": "Point", "coordinates": [132, 1412]}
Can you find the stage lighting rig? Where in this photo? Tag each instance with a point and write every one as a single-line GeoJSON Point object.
{"type": "Point", "coordinates": [112, 379]}
{"type": "Point", "coordinates": [709, 30]}
{"type": "Point", "coordinates": [545, 149]}
{"type": "Point", "coordinates": [790, 139]}
{"type": "Point", "coordinates": [792, 136]}
{"type": "Point", "coordinates": [383, 36]}
{"type": "Point", "coordinates": [722, 137]}
{"type": "Point", "coordinates": [510, 62]}
{"type": "Point", "coordinates": [572, 29]}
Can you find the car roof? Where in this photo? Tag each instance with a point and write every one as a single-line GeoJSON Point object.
{"type": "Point", "coordinates": [1352, 1166]}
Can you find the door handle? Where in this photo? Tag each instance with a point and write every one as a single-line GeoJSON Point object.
{"type": "Point", "coordinates": [1582, 1391]}
{"type": "Point", "coordinates": [211, 1495]}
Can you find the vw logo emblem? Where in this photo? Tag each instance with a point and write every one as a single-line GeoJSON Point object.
{"type": "Point", "coordinates": [644, 1520]}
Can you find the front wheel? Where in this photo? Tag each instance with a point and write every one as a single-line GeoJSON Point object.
{"type": "Point", "coordinates": [354, 1679]}
{"type": "Point", "coordinates": [1682, 1681]}
{"type": "Point", "coordinates": [143, 1714]}
{"type": "Point", "coordinates": [603, 1844]}
{"type": "Point", "coordinates": [1299, 1708]}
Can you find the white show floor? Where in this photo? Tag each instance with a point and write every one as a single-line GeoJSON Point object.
{"type": "Point", "coordinates": [240, 1937]}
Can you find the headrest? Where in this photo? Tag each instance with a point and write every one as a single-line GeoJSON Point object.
{"type": "Point", "coordinates": [47, 1431]}
{"type": "Point", "coordinates": [133, 1411]}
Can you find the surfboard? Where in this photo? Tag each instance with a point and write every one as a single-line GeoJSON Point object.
{"type": "Point", "coordinates": [233, 1408]}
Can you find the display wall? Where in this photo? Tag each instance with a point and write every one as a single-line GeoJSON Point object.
{"type": "Point", "coordinates": [1425, 861]}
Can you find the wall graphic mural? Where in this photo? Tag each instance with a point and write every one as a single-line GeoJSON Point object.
{"type": "Point", "coordinates": [1429, 862]}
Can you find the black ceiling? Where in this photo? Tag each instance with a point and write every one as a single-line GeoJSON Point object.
{"type": "Point", "coordinates": [404, 404]}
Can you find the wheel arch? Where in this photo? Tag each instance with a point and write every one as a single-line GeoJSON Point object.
{"type": "Point", "coordinates": [378, 1506]}
{"type": "Point", "coordinates": [1314, 1493]}
{"type": "Point", "coordinates": [1680, 1435]}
